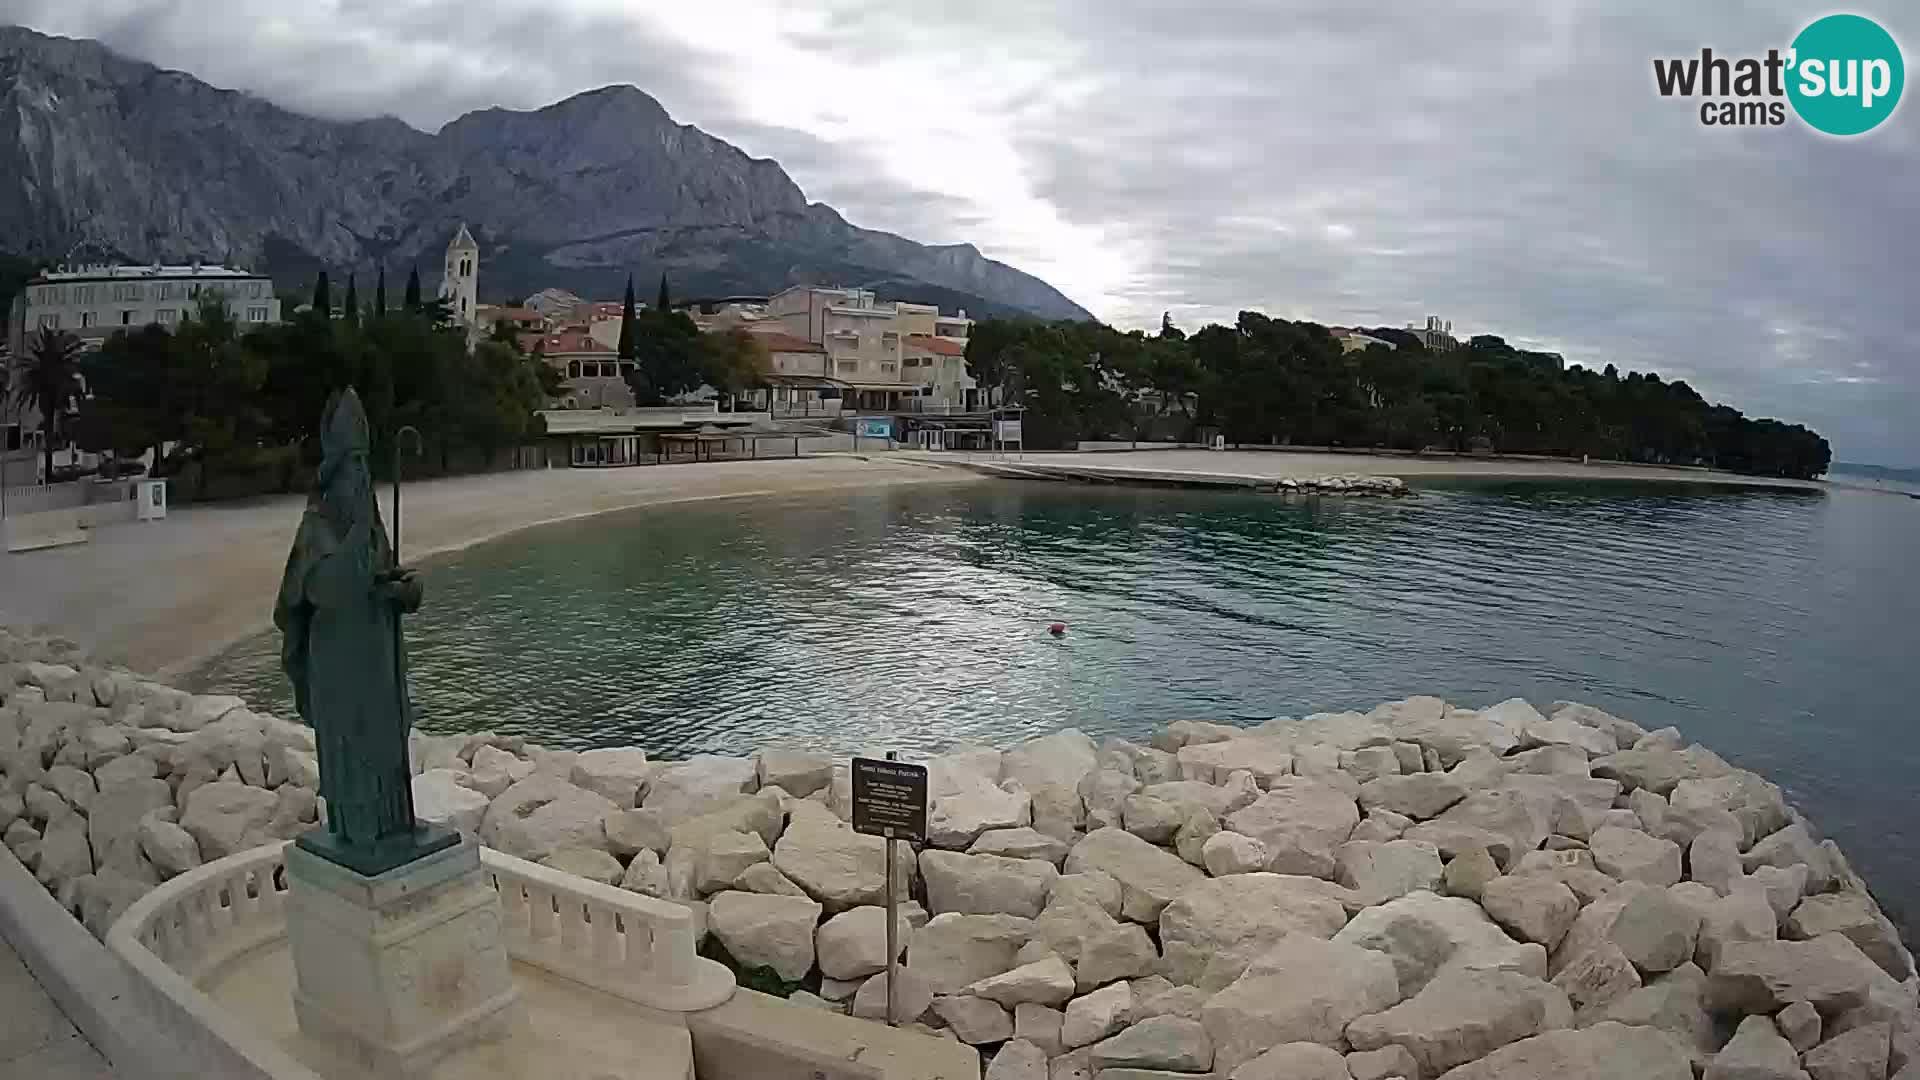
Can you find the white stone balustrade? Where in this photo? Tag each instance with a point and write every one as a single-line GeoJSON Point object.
{"type": "Point", "coordinates": [634, 947]}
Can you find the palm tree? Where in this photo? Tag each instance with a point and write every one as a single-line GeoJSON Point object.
{"type": "Point", "coordinates": [49, 380]}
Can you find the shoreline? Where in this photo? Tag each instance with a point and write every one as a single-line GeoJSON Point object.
{"type": "Point", "coordinates": [166, 597]}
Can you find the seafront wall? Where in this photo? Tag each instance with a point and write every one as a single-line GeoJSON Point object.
{"type": "Point", "coordinates": [1416, 890]}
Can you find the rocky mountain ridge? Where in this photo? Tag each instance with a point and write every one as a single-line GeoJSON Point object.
{"type": "Point", "coordinates": [131, 161]}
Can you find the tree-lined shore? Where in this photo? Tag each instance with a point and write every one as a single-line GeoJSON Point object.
{"type": "Point", "coordinates": [1271, 381]}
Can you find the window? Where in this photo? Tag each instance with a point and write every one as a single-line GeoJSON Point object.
{"type": "Point", "coordinates": [256, 314]}
{"type": "Point", "coordinates": [165, 316]}
{"type": "Point", "coordinates": [911, 361]}
{"type": "Point", "coordinates": [849, 366]}
{"type": "Point", "coordinates": [573, 369]}
{"type": "Point", "coordinates": [253, 290]}
{"type": "Point", "coordinates": [50, 321]}
{"type": "Point", "coordinates": [886, 366]}
{"type": "Point", "coordinates": [463, 305]}
{"type": "Point", "coordinates": [126, 317]}
{"type": "Point", "coordinates": [83, 294]}
{"type": "Point", "coordinates": [126, 292]}
{"type": "Point", "coordinates": [10, 437]}
{"type": "Point", "coordinates": [87, 319]}
{"type": "Point", "coordinates": [163, 291]}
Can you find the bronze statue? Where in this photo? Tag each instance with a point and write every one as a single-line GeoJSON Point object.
{"type": "Point", "coordinates": [339, 611]}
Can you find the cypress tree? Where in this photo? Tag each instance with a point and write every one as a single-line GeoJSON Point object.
{"type": "Point", "coordinates": [322, 295]}
{"type": "Point", "coordinates": [380, 294]}
{"type": "Point", "coordinates": [413, 289]}
{"type": "Point", "coordinates": [353, 299]}
{"type": "Point", "coordinates": [660, 303]}
{"type": "Point", "coordinates": [626, 323]}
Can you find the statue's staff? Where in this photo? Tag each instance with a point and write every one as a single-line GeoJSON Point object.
{"type": "Point", "coordinates": [419, 450]}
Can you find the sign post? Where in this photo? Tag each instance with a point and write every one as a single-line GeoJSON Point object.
{"type": "Point", "coordinates": [890, 800]}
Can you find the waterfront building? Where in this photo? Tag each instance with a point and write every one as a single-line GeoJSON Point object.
{"type": "Point", "coordinates": [1354, 341]}
{"type": "Point", "coordinates": [867, 341]}
{"type": "Point", "coordinates": [1437, 336]}
{"type": "Point", "coordinates": [92, 302]}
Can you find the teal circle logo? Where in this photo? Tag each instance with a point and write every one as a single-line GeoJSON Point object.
{"type": "Point", "coordinates": [1846, 74]}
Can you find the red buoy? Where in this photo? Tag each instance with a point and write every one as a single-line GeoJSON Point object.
{"type": "Point", "coordinates": [1057, 629]}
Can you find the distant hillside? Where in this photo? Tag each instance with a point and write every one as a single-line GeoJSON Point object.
{"type": "Point", "coordinates": [142, 164]}
{"type": "Point", "coordinates": [1886, 473]}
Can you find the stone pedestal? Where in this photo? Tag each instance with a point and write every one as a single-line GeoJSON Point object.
{"type": "Point", "coordinates": [395, 971]}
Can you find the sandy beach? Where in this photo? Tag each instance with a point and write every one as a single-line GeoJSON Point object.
{"type": "Point", "coordinates": [165, 596]}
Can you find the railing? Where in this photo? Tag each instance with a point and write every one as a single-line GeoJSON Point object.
{"type": "Point", "coordinates": [631, 946]}
{"type": "Point", "coordinates": [37, 498]}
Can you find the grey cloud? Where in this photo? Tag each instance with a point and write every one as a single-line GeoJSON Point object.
{"type": "Point", "coordinates": [1505, 165]}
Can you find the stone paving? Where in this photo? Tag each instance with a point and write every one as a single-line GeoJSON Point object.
{"type": "Point", "coordinates": [36, 1040]}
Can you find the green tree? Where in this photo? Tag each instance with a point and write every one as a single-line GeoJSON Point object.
{"type": "Point", "coordinates": [353, 300]}
{"type": "Point", "coordinates": [322, 295]}
{"type": "Point", "coordinates": [413, 289]}
{"type": "Point", "coordinates": [734, 362]}
{"type": "Point", "coordinates": [661, 302]}
{"type": "Point", "coordinates": [48, 381]}
{"type": "Point", "coordinates": [667, 354]}
{"type": "Point", "coordinates": [133, 395]}
{"type": "Point", "coordinates": [222, 379]}
{"type": "Point", "coordinates": [380, 295]}
{"type": "Point", "coordinates": [625, 349]}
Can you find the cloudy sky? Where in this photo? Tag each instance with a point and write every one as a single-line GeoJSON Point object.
{"type": "Point", "coordinates": [1504, 165]}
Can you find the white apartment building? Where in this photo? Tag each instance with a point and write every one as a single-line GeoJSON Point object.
{"type": "Point", "coordinates": [92, 302]}
{"type": "Point", "coordinates": [867, 341]}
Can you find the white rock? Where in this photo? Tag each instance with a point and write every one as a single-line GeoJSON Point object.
{"type": "Point", "coordinates": [837, 866]}
{"type": "Point", "coordinates": [1190, 843]}
{"type": "Point", "coordinates": [1381, 872]}
{"type": "Point", "coordinates": [1756, 1052]}
{"type": "Point", "coordinates": [170, 848]}
{"type": "Point", "coordinates": [701, 783]}
{"type": "Point", "coordinates": [1713, 860]}
{"type": "Point", "coordinates": [1302, 822]}
{"type": "Point", "coordinates": [1565, 731]}
{"type": "Point", "coordinates": [113, 821]}
{"type": "Point", "coordinates": [1044, 982]}
{"type": "Point", "coordinates": [1102, 792]}
{"type": "Point", "coordinates": [1388, 1061]}
{"type": "Point", "coordinates": [1655, 931]}
{"type": "Point", "coordinates": [853, 944]}
{"type": "Point", "coordinates": [1298, 1061]}
{"type": "Point", "coordinates": [1039, 1025]}
{"type": "Point", "coordinates": [974, 1020]}
{"type": "Point", "coordinates": [1799, 1024]}
{"type": "Point", "coordinates": [1096, 1016]}
{"type": "Point", "coordinates": [1790, 847]}
{"type": "Point", "coordinates": [64, 854]}
{"type": "Point", "coordinates": [589, 863]}
{"type": "Point", "coordinates": [646, 876]}
{"type": "Point", "coordinates": [1213, 929]}
{"type": "Point", "coordinates": [1050, 769]}
{"type": "Point", "coordinates": [1018, 1060]}
{"type": "Point", "coordinates": [1755, 803]}
{"type": "Point", "coordinates": [1226, 853]}
{"type": "Point", "coordinates": [1766, 976]}
{"type": "Point", "coordinates": [1149, 877]}
{"type": "Point", "coordinates": [1470, 871]}
{"type": "Point", "coordinates": [1300, 990]}
{"type": "Point", "coordinates": [630, 832]}
{"type": "Point", "coordinates": [542, 814]}
{"type": "Point", "coordinates": [1464, 1015]}
{"type": "Point", "coordinates": [1267, 759]}
{"type": "Point", "coordinates": [1425, 935]}
{"type": "Point", "coordinates": [800, 773]}
{"type": "Point", "coordinates": [1150, 819]}
{"type": "Point", "coordinates": [1859, 1054]}
{"type": "Point", "coordinates": [1634, 856]}
{"type": "Point", "coordinates": [1419, 796]}
{"type": "Point", "coordinates": [440, 799]}
{"type": "Point", "coordinates": [1022, 843]}
{"type": "Point", "coordinates": [722, 857]}
{"type": "Point", "coordinates": [763, 878]}
{"type": "Point", "coordinates": [761, 813]}
{"type": "Point", "coordinates": [495, 770]}
{"type": "Point", "coordinates": [1742, 915]}
{"type": "Point", "coordinates": [912, 999]}
{"type": "Point", "coordinates": [1551, 761]}
{"type": "Point", "coordinates": [1533, 907]}
{"type": "Point", "coordinates": [1169, 1043]}
{"type": "Point", "coordinates": [951, 952]}
{"type": "Point", "coordinates": [1598, 977]}
{"type": "Point", "coordinates": [1370, 763]}
{"type": "Point", "coordinates": [226, 817]}
{"type": "Point", "coordinates": [985, 884]}
{"type": "Point", "coordinates": [1123, 952]}
{"type": "Point", "coordinates": [616, 774]}
{"type": "Point", "coordinates": [1659, 770]}
{"type": "Point", "coordinates": [766, 931]}
{"type": "Point", "coordinates": [1602, 1052]}
{"type": "Point", "coordinates": [1855, 916]}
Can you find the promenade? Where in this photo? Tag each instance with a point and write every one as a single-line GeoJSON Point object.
{"type": "Point", "coordinates": [37, 1042]}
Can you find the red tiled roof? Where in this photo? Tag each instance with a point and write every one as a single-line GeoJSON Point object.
{"type": "Point", "coordinates": [936, 346]}
{"type": "Point", "coordinates": [777, 341]}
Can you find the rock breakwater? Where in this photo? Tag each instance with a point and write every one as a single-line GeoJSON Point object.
{"type": "Point", "coordinates": [1419, 890]}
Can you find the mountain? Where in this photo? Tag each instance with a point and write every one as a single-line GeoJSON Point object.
{"type": "Point", "coordinates": [142, 164]}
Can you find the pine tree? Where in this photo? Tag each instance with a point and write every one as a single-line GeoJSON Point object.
{"type": "Point", "coordinates": [322, 295]}
{"type": "Point", "coordinates": [660, 304]}
{"type": "Point", "coordinates": [353, 299]}
{"type": "Point", "coordinates": [625, 351]}
{"type": "Point", "coordinates": [413, 289]}
{"type": "Point", "coordinates": [380, 295]}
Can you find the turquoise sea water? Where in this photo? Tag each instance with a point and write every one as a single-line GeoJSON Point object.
{"type": "Point", "coordinates": [1778, 628]}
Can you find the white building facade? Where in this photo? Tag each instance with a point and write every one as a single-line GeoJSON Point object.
{"type": "Point", "coordinates": [93, 302]}
{"type": "Point", "coordinates": [868, 342]}
{"type": "Point", "coordinates": [460, 280]}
